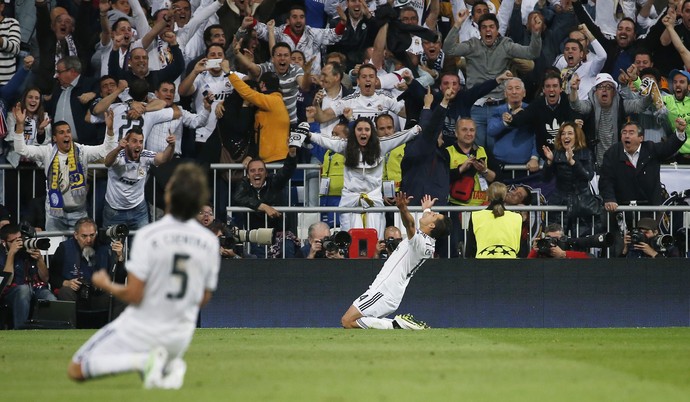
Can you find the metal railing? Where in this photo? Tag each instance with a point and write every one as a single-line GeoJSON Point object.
{"type": "Point", "coordinates": [671, 213]}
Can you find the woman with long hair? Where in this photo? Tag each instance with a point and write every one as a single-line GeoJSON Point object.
{"type": "Point", "coordinates": [572, 163]}
{"type": "Point", "coordinates": [36, 132]}
{"type": "Point", "coordinates": [362, 177]}
{"type": "Point", "coordinates": [494, 232]}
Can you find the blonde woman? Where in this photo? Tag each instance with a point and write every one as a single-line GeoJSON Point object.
{"type": "Point", "coordinates": [494, 232]}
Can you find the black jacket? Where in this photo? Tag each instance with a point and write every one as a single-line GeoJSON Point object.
{"type": "Point", "coordinates": [271, 194]}
{"type": "Point", "coordinates": [545, 121]}
{"type": "Point", "coordinates": [570, 179]}
{"type": "Point", "coordinates": [86, 133]}
{"type": "Point", "coordinates": [621, 182]}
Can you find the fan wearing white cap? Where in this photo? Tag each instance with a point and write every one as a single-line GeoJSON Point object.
{"type": "Point", "coordinates": [606, 109]}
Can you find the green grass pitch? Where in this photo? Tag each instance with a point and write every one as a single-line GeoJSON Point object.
{"type": "Point", "coordinates": [337, 365]}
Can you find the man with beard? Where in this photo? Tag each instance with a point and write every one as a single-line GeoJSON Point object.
{"type": "Point", "coordinates": [605, 111]}
{"type": "Point", "coordinates": [73, 263]}
{"type": "Point", "coordinates": [677, 107]}
{"type": "Point", "coordinates": [128, 166]}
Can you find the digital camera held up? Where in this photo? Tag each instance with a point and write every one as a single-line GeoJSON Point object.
{"type": "Point", "coordinates": [600, 240]}
{"type": "Point", "coordinates": [338, 242]}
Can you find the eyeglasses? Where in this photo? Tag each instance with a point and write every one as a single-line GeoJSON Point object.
{"type": "Point", "coordinates": [60, 71]}
{"type": "Point", "coordinates": [205, 213]}
{"type": "Point", "coordinates": [605, 87]}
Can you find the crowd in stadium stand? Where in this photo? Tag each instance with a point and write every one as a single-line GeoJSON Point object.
{"type": "Point", "coordinates": [420, 96]}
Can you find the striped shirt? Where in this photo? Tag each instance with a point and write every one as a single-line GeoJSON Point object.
{"type": "Point", "coordinates": [288, 86]}
{"type": "Point", "coordinates": [11, 37]}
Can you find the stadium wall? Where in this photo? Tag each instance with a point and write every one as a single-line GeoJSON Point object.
{"type": "Point", "coordinates": [459, 293]}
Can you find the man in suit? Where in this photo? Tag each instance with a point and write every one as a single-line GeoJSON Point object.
{"type": "Point", "coordinates": [631, 167]}
{"type": "Point", "coordinates": [65, 103]}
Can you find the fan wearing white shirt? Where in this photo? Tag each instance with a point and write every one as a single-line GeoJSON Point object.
{"type": "Point", "coordinates": [128, 165]}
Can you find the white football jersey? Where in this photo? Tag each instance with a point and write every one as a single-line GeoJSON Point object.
{"type": "Point", "coordinates": [178, 261]}
{"type": "Point", "coordinates": [122, 123]}
{"type": "Point", "coordinates": [126, 180]}
{"type": "Point", "coordinates": [367, 106]}
{"type": "Point", "coordinates": [403, 263]}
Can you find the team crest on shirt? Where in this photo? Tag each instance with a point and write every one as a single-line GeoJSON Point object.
{"type": "Point", "coordinates": [141, 172]}
{"type": "Point", "coordinates": [380, 108]}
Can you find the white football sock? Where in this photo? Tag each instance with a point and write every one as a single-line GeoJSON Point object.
{"type": "Point", "coordinates": [375, 323]}
{"type": "Point", "coordinates": [96, 366]}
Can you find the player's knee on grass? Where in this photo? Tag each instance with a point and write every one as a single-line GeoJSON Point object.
{"type": "Point", "coordinates": [349, 320]}
{"type": "Point", "coordinates": [74, 372]}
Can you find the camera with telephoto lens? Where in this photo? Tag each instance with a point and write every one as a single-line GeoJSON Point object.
{"type": "Point", "coordinates": [600, 240]}
{"type": "Point", "coordinates": [117, 232]}
{"type": "Point", "coordinates": [338, 242]}
{"type": "Point", "coordinates": [232, 237]}
{"type": "Point", "coordinates": [662, 243]}
{"type": "Point", "coordinates": [29, 239]}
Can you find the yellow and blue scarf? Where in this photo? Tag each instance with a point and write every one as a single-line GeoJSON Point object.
{"type": "Point", "coordinates": [77, 180]}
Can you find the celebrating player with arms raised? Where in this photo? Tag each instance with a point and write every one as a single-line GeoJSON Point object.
{"type": "Point", "coordinates": [385, 293]}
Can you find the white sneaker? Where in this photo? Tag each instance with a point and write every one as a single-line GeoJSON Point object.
{"type": "Point", "coordinates": [407, 321]}
{"type": "Point", "coordinates": [153, 371]}
{"type": "Point", "coordinates": [174, 374]}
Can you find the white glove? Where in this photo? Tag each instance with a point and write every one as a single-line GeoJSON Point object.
{"type": "Point", "coordinates": [298, 135]}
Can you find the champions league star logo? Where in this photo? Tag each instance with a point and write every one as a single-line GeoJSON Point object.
{"type": "Point", "coordinates": [497, 250]}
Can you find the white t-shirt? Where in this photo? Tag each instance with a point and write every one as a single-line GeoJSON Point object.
{"type": "Point", "coordinates": [122, 123]}
{"type": "Point", "coordinates": [178, 261]}
{"type": "Point", "coordinates": [126, 180]}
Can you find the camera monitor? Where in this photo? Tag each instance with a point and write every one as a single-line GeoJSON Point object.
{"type": "Point", "coordinates": [55, 314]}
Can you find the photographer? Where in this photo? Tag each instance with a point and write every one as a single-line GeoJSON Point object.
{"type": "Point", "coordinates": [318, 234]}
{"type": "Point", "coordinates": [261, 191]}
{"type": "Point", "coordinates": [73, 263]}
{"type": "Point", "coordinates": [227, 243]}
{"type": "Point", "coordinates": [647, 243]}
{"type": "Point", "coordinates": [554, 237]}
{"type": "Point", "coordinates": [392, 237]}
{"type": "Point", "coordinates": [29, 281]}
